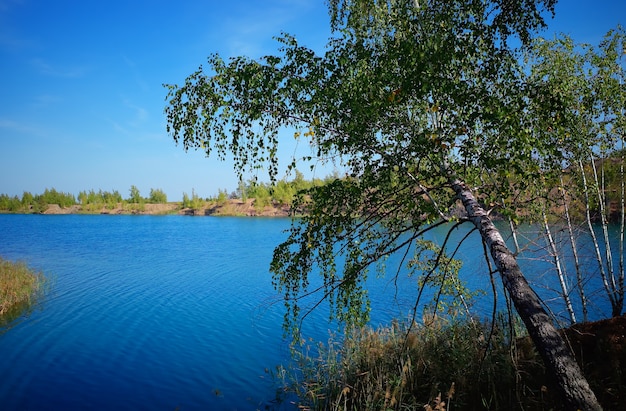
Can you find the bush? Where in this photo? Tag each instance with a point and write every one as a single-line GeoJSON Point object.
{"type": "Point", "coordinates": [93, 201]}
{"type": "Point", "coordinates": [222, 197]}
{"type": "Point", "coordinates": [262, 198]}
{"type": "Point", "coordinates": [283, 193]}
{"type": "Point", "coordinates": [135, 195]}
{"type": "Point", "coordinates": [51, 196]}
{"type": "Point", "coordinates": [194, 203]}
{"type": "Point", "coordinates": [157, 196]}
{"type": "Point", "coordinates": [12, 204]}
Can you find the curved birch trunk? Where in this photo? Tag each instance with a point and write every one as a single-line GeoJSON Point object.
{"type": "Point", "coordinates": [558, 359]}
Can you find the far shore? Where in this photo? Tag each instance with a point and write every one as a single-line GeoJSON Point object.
{"type": "Point", "coordinates": [227, 208]}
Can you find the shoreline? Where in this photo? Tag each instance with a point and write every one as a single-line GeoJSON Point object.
{"type": "Point", "coordinates": [230, 208]}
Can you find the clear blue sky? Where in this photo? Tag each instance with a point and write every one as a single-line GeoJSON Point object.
{"type": "Point", "coordinates": [81, 96]}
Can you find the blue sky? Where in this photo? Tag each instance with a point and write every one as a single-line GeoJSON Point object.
{"type": "Point", "coordinates": [81, 101]}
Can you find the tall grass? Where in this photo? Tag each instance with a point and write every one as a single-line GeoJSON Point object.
{"type": "Point", "coordinates": [19, 289]}
{"type": "Point", "coordinates": [442, 365]}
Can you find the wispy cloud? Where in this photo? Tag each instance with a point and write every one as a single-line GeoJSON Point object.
{"type": "Point", "coordinates": [137, 76]}
{"type": "Point", "coordinates": [72, 71]}
{"type": "Point", "coordinates": [247, 32]}
{"type": "Point", "coordinates": [22, 128]}
{"type": "Point", "coordinates": [139, 116]}
{"type": "Point", "coordinates": [131, 121]}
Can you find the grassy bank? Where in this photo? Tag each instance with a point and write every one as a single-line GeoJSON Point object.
{"type": "Point", "coordinates": [19, 289]}
{"type": "Point", "coordinates": [450, 365]}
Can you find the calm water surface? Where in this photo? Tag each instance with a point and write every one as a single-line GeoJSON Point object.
{"type": "Point", "coordinates": [161, 313]}
{"type": "Point", "coordinates": [144, 313]}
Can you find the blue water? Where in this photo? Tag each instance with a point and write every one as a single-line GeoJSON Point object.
{"type": "Point", "coordinates": [163, 312]}
{"type": "Point", "coordinates": [144, 313]}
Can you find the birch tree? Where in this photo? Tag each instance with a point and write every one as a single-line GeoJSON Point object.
{"type": "Point", "coordinates": [416, 98]}
{"type": "Point", "coordinates": [583, 115]}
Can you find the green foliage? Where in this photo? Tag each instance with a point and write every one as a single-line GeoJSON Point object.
{"type": "Point", "coordinates": [11, 204]}
{"type": "Point", "coordinates": [422, 102]}
{"type": "Point", "coordinates": [51, 196]}
{"type": "Point", "coordinates": [261, 194]}
{"type": "Point", "coordinates": [134, 207]}
{"type": "Point", "coordinates": [93, 201]}
{"type": "Point", "coordinates": [441, 273]}
{"type": "Point", "coordinates": [157, 196]}
{"type": "Point", "coordinates": [578, 103]}
{"type": "Point", "coordinates": [36, 203]}
{"type": "Point", "coordinates": [27, 199]}
{"type": "Point", "coordinates": [242, 191]}
{"type": "Point", "coordinates": [281, 192]}
{"type": "Point", "coordinates": [222, 197]}
{"type": "Point", "coordinates": [194, 203]}
{"type": "Point", "coordinates": [408, 94]}
{"type": "Point", "coordinates": [135, 196]}
{"type": "Point", "coordinates": [578, 97]}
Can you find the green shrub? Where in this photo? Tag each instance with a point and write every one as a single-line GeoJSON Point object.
{"type": "Point", "coordinates": [195, 202]}
{"type": "Point", "coordinates": [135, 195]}
{"type": "Point", "coordinates": [96, 200]}
{"type": "Point", "coordinates": [51, 196]}
{"type": "Point", "coordinates": [12, 204]}
{"type": "Point", "coordinates": [222, 197]}
{"type": "Point", "coordinates": [157, 196]}
{"type": "Point", "coordinates": [283, 193]}
{"type": "Point", "coordinates": [262, 197]}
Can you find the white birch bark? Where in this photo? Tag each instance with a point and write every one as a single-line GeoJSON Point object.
{"type": "Point", "coordinates": [556, 260]}
{"type": "Point", "coordinates": [622, 112]}
{"type": "Point", "coordinates": [558, 359]}
{"type": "Point", "coordinates": [605, 226]}
{"type": "Point", "coordinates": [594, 238]}
{"type": "Point", "coordinates": [574, 245]}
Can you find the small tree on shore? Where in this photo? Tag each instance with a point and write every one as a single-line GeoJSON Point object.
{"type": "Point", "coordinates": [135, 195]}
{"type": "Point", "coordinates": [157, 196]}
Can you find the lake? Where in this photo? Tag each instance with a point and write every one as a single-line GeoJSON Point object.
{"type": "Point", "coordinates": [166, 312]}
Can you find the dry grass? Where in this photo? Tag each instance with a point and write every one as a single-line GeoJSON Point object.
{"type": "Point", "coordinates": [19, 285]}
{"type": "Point", "coordinates": [439, 366]}
{"type": "Point", "coordinates": [450, 365]}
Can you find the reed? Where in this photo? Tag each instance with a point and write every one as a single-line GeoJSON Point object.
{"type": "Point", "coordinates": [19, 287]}
{"type": "Point", "coordinates": [441, 365]}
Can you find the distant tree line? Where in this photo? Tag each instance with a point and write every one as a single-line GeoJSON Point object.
{"type": "Point", "coordinates": [280, 193]}
{"type": "Point", "coordinates": [36, 203]}
{"type": "Point", "coordinates": [90, 199]}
